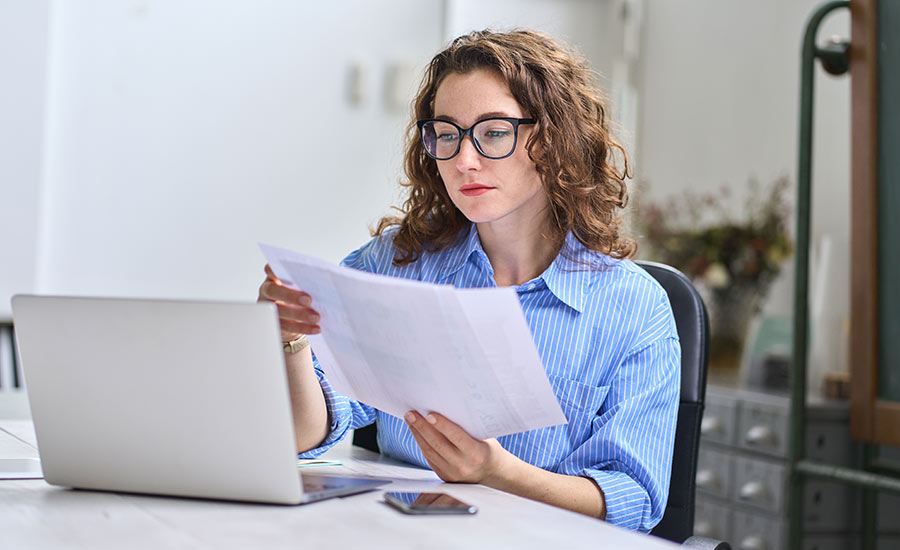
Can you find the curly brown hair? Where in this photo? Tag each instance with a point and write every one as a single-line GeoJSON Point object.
{"type": "Point", "coordinates": [572, 146]}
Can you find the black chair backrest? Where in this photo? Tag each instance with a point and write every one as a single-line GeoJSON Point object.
{"type": "Point", "coordinates": [367, 437]}
{"type": "Point", "coordinates": [693, 331]}
{"type": "Point", "coordinates": [692, 322]}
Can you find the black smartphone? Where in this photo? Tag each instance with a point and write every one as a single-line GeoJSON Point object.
{"type": "Point", "coordinates": [428, 503]}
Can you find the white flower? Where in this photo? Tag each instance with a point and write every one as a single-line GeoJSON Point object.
{"type": "Point", "coordinates": [716, 276]}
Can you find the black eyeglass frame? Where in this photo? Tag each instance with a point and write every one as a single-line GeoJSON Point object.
{"type": "Point", "coordinates": [463, 132]}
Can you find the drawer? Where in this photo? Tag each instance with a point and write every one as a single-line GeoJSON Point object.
{"type": "Point", "coordinates": [889, 514]}
{"type": "Point", "coordinates": [829, 506]}
{"type": "Point", "coordinates": [712, 519]}
{"type": "Point", "coordinates": [719, 419]}
{"type": "Point", "coordinates": [756, 532]}
{"type": "Point", "coordinates": [751, 531]}
{"type": "Point", "coordinates": [830, 443]}
{"type": "Point", "coordinates": [760, 483]}
{"type": "Point", "coordinates": [715, 472]}
{"type": "Point", "coordinates": [763, 427]}
{"type": "Point", "coordinates": [829, 542]}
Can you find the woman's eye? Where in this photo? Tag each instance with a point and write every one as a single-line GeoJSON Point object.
{"type": "Point", "coordinates": [497, 134]}
{"type": "Point", "coordinates": [447, 137]}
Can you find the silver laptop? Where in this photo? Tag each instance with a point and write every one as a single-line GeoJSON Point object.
{"type": "Point", "coordinates": [176, 398]}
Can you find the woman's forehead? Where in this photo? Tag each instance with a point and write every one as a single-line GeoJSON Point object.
{"type": "Point", "coordinates": [467, 97]}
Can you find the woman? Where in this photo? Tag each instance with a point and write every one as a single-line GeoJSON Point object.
{"type": "Point", "coordinates": [512, 183]}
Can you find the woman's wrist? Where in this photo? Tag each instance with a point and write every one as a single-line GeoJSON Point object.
{"type": "Point", "coordinates": [502, 467]}
{"type": "Point", "coordinates": [296, 344]}
{"type": "Point", "coordinates": [510, 474]}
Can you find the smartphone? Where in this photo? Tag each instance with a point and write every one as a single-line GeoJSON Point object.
{"type": "Point", "coordinates": [428, 503]}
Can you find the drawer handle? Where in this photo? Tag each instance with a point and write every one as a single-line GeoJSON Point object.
{"type": "Point", "coordinates": [761, 435]}
{"type": "Point", "coordinates": [706, 479]}
{"type": "Point", "coordinates": [753, 542]}
{"type": "Point", "coordinates": [754, 491]}
{"type": "Point", "coordinates": [711, 425]}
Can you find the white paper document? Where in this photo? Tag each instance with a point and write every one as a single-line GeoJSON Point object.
{"type": "Point", "coordinates": [401, 345]}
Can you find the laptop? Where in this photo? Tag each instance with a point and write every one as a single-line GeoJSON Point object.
{"type": "Point", "coordinates": [165, 397]}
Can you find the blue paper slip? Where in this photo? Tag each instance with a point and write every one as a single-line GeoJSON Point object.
{"type": "Point", "coordinates": [304, 462]}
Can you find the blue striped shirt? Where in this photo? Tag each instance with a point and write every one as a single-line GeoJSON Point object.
{"type": "Point", "coordinates": [607, 339]}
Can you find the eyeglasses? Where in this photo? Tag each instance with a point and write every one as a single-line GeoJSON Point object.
{"type": "Point", "coordinates": [494, 138]}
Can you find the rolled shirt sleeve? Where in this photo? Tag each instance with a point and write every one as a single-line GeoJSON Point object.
{"type": "Point", "coordinates": [635, 429]}
{"type": "Point", "coordinates": [344, 414]}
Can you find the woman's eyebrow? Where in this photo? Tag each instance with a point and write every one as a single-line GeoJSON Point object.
{"type": "Point", "coordinates": [492, 114]}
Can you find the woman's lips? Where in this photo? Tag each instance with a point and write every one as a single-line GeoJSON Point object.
{"type": "Point", "coordinates": [474, 189]}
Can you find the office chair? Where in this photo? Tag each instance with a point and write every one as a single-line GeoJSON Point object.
{"type": "Point", "coordinates": [692, 323]}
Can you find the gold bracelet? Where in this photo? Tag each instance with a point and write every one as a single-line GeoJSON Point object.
{"type": "Point", "coordinates": [295, 345]}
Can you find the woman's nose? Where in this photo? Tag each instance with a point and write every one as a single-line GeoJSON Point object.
{"type": "Point", "coordinates": [468, 157]}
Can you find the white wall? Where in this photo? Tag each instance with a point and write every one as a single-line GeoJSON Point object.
{"type": "Point", "coordinates": [23, 54]}
{"type": "Point", "coordinates": [586, 25]}
{"type": "Point", "coordinates": [178, 135]}
{"type": "Point", "coordinates": [719, 85]}
{"type": "Point", "coordinates": [181, 134]}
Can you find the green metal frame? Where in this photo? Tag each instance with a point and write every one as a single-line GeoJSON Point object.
{"type": "Point", "coordinates": [835, 59]}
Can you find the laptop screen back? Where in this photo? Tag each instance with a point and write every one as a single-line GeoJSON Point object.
{"type": "Point", "coordinates": [167, 397]}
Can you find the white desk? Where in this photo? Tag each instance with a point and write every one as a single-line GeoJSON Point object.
{"type": "Point", "coordinates": [34, 514]}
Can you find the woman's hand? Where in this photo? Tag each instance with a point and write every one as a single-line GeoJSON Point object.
{"type": "Point", "coordinates": [453, 454]}
{"type": "Point", "coordinates": [294, 311]}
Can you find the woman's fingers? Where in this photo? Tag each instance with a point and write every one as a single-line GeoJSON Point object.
{"type": "Point", "coordinates": [450, 430]}
{"type": "Point", "coordinates": [293, 329]}
{"type": "Point", "coordinates": [294, 313]}
{"type": "Point", "coordinates": [277, 292]}
{"type": "Point", "coordinates": [438, 463]}
{"type": "Point", "coordinates": [297, 319]}
{"type": "Point", "coordinates": [461, 457]}
{"type": "Point", "coordinates": [273, 289]}
{"type": "Point", "coordinates": [430, 435]}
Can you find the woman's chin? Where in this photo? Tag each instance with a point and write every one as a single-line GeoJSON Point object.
{"type": "Point", "coordinates": [480, 217]}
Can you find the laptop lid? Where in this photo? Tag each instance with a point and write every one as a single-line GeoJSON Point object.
{"type": "Point", "coordinates": [157, 396]}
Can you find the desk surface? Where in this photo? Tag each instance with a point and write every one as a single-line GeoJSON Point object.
{"type": "Point", "coordinates": [34, 514]}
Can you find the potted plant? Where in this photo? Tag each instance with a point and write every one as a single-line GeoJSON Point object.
{"type": "Point", "coordinates": [731, 260]}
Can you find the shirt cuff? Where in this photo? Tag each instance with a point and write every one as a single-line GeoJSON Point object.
{"type": "Point", "coordinates": [627, 503]}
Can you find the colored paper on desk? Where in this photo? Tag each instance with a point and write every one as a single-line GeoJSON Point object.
{"type": "Point", "coordinates": [304, 462]}
{"type": "Point", "coordinates": [401, 345]}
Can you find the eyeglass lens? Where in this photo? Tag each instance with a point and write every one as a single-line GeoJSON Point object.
{"type": "Point", "coordinates": [494, 138]}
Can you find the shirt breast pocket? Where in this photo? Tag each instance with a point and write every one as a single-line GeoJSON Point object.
{"type": "Point", "coordinates": [580, 403]}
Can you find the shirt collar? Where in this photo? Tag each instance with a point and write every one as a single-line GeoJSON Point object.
{"type": "Point", "coordinates": [568, 277]}
{"type": "Point", "coordinates": [458, 255]}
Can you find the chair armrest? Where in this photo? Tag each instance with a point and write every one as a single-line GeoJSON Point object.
{"type": "Point", "coordinates": [703, 543]}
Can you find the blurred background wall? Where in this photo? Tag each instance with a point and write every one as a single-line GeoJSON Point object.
{"type": "Point", "coordinates": [146, 147]}
{"type": "Point", "coordinates": [719, 105]}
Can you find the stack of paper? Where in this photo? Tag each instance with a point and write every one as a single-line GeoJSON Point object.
{"type": "Point", "coordinates": [401, 345]}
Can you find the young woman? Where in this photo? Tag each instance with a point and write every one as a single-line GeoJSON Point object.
{"type": "Point", "coordinates": [512, 182]}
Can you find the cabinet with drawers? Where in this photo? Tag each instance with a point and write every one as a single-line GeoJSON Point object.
{"type": "Point", "coordinates": [743, 474]}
